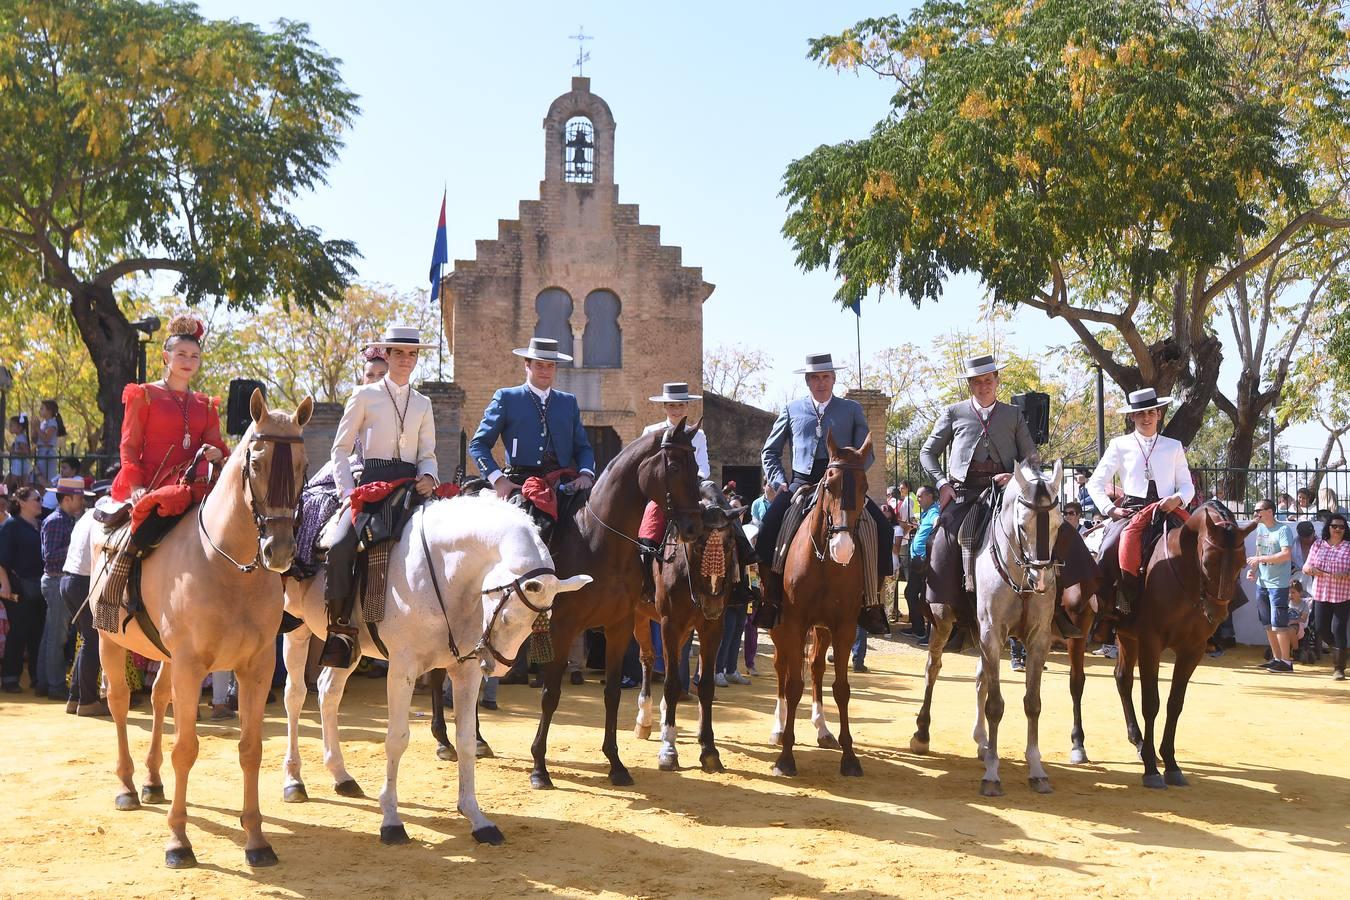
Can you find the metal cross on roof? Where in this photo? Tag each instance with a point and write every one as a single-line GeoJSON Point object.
{"type": "Point", "coordinates": [582, 56]}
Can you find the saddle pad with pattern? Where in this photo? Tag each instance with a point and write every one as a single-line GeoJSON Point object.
{"type": "Point", "coordinates": [110, 600]}
{"type": "Point", "coordinates": [970, 535]}
{"type": "Point", "coordinates": [802, 503]}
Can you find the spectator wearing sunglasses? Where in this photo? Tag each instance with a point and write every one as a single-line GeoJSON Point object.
{"type": "Point", "coordinates": [1269, 567]}
{"type": "Point", "coordinates": [1329, 563]}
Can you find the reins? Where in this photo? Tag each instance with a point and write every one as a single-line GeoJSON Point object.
{"type": "Point", "coordinates": [1206, 593]}
{"type": "Point", "coordinates": [275, 480]}
{"type": "Point", "coordinates": [1023, 560]}
{"type": "Point", "coordinates": [670, 508]}
{"type": "Point", "coordinates": [846, 503]}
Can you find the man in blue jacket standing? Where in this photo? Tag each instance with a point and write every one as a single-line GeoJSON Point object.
{"type": "Point", "coordinates": [539, 426]}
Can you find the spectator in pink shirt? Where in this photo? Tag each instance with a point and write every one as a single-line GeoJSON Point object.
{"type": "Point", "coordinates": [1329, 563]}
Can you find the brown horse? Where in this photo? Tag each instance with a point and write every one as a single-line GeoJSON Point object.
{"type": "Point", "coordinates": [1190, 578]}
{"type": "Point", "coordinates": [692, 591]}
{"type": "Point", "coordinates": [823, 583]}
{"type": "Point", "coordinates": [214, 613]}
{"type": "Point", "coordinates": [1080, 602]}
{"type": "Point", "coordinates": [657, 467]}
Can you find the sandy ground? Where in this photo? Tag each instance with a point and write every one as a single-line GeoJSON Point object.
{"type": "Point", "coordinates": [1268, 812]}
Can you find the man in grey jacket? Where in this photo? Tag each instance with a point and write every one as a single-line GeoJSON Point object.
{"type": "Point", "coordinates": [983, 439]}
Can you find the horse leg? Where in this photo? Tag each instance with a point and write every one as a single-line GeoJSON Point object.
{"type": "Point", "coordinates": [980, 733]}
{"type": "Point", "coordinates": [843, 640]}
{"type": "Point", "coordinates": [1038, 646]}
{"type": "Point", "coordinates": [709, 639]}
{"type": "Point", "coordinates": [818, 661]}
{"type": "Point", "coordinates": [642, 633]}
{"type": "Point", "coordinates": [253, 682]}
{"type": "Point", "coordinates": [991, 651]}
{"type": "Point", "coordinates": [113, 658]}
{"type": "Point", "coordinates": [445, 748]}
{"type": "Point", "coordinates": [160, 695]}
{"type": "Point", "coordinates": [787, 641]}
{"type": "Point", "coordinates": [187, 690]}
{"type": "Point", "coordinates": [332, 684]}
{"type": "Point", "coordinates": [1077, 679]}
{"type": "Point", "coordinates": [548, 704]}
{"type": "Point", "coordinates": [399, 691]}
{"type": "Point", "coordinates": [295, 651]}
{"type": "Point", "coordinates": [780, 705]}
{"type": "Point", "coordinates": [1176, 699]}
{"type": "Point", "coordinates": [1148, 700]}
{"type": "Point", "coordinates": [1127, 656]}
{"type": "Point", "coordinates": [616, 645]}
{"type": "Point", "coordinates": [938, 634]}
{"type": "Point", "coordinates": [466, 682]}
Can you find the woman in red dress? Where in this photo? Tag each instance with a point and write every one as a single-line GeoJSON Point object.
{"type": "Point", "coordinates": [166, 422]}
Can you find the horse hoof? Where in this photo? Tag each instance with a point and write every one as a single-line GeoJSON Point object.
{"type": "Point", "coordinates": [991, 788]}
{"type": "Point", "coordinates": [294, 793]}
{"type": "Point", "coordinates": [127, 802]}
{"type": "Point", "coordinates": [1078, 756]}
{"type": "Point", "coordinates": [711, 762]}
{"type": "Point", "coordinates": [152, 793]}
{"type": "Point", "coordinates": [541, 781]}
{"type": "Point", "coordinates": [393, 834]}
{"type": "Point", "coordinates": [619, 777]}
{"type": "Point", "coordinates": [1041, 785]}
{"type": "Point", "coordinates": [483, 751]}
{"type": "Point", "coordinates": [642, 732]}
{"type": "Point", "coordinates": [260, 858]}
{"type": "Point", "coordinates": [850, 767]}
{"type": "Point", "coordinates": [348, 788]}
{"type": "Point", "coordinates": [916, 745]}
{"type": "Point", "coordinates": [784, 768]}
{"type": "Point", "coordinates": [180, 858]}
{"type": "Point", "coordinates": [489, 835]}
{"type": "Point", "coordinates": [1175, 778]}
{"type": "Point", "coordinates": [447, 753]}
{"type": "Point", "coordinates": [668, 762]}
{"type": "Point", "coordinates": [1155, 781]}
{"type": "Point", "coordinates": [828, 742]}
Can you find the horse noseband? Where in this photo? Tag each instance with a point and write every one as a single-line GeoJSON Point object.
{"type": "Point", "coordinates": [516, 587]}
{"type": "Point", "coordinates": [260, 520]}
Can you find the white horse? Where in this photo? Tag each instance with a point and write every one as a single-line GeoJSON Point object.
{"type": "Point", "coordinates": [1015, 592]}
{"type": "Point", "coordinates": [467, 580]}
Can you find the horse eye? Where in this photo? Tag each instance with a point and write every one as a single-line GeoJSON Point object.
{"type": "Point", "coordinates": [533, 587]}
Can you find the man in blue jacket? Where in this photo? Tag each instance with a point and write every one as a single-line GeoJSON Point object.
{"type": "Point", "coordinates": [539, 427]}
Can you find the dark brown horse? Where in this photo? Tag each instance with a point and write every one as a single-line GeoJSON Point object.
{"type": "Point", "coordinates": [1190, 578]}
{"type": "Point", "coordinates": [1081, 603]}
{"type": "Point", "coordinates": [823, 582]}
{"type": "Point", "coordinates": [692, 590]}
{"type": "Point", "coordinates": [657, 467]}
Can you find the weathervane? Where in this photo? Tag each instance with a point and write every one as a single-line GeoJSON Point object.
{"type": "Point", "coordinates": [582, 55]}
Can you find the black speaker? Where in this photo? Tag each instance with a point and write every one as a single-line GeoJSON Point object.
{"type": "Point", "coordinates": [237, 417]}
{"type": "Point", "coordinates": [1035, 408]}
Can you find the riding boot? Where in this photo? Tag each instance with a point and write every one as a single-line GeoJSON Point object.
{"type": "Point", "coordinates": [770, 605]}
{"type": "Point", "coordinates": [872, 618]}
{"type": "Point", "coordinates": [340, 649]}
{"type": "Point", "coordinates": [1067, 629]}
{"type": "Point", "coordinates": [1126, 592]}
{"type": "Point", "coordinates": [1338, 664]}
{"type": "Point", "coordinates": [649, 553]}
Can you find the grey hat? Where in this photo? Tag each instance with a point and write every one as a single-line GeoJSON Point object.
{"type": "Point", "coordinates": [675, 392]}
{"type": "Point", "coordinates": [818, 362]}
{"type": "Point", "coordinates": [1144, 400]}
{"type": "Point", "coordinates": [545, 349]}
{"type": "Point", "coordinates": [981, 365]}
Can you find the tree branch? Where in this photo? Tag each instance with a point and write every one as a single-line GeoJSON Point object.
{"type": "Point", "coordinates": [1299, 222]}
{"type": "Point", "coordinates": [108, 276]}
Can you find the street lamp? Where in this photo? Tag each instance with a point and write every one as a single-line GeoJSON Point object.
{"type": "Point", "coordinates": [147, 327]}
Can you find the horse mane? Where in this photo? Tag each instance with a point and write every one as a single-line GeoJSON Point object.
{"type": "Point", "coordinates": [492, 519]}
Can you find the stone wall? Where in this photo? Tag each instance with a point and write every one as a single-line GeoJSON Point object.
{"type": "Point", "coordinates": [875, 404]}
{"type": "Point", "coordinates": [736, 434]}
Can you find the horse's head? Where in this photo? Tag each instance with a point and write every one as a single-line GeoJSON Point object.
{"type": "Point", "coordinates": [1218, 549]}
{"type": "Point", "coordinates": [669, 478]}
{"type": "Point", "coordinates": [274, 473]}
{"type": "Point", "coordinates": [843, 493]}
{"type": "Point", "coordinates": [1032, 505]}
{"type": "Point", "coordinates": [716, 560]}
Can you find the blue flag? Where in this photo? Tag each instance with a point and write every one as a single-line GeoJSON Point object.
{"type": "Point", "coordinates": [856, 306]}
{"type": "Point", "coordinates": [439, 254]}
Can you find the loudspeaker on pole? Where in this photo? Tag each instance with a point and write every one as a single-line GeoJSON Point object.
{"type": "Point", "coordinates": [237, 416]}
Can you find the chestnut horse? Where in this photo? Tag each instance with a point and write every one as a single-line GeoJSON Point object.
{"type": "Point", "coordinates": [1189, 581]}
{"type": "Point", "coordinates": [213, 613]}
{"type": "Point", "coordinates": [657, 467]}
{"type": "Point", "coordinates": [1081, 603]}
{"type": "Point", "coordinates": [823, 583]}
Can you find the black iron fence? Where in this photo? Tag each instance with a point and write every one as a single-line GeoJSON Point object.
{"type": "Point", "coordinates": [30, 468]}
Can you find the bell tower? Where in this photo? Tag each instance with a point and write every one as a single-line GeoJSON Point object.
{"type": "Point", "coordinates": [579, 138]}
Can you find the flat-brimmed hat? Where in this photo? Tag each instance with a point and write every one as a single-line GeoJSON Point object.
{"type": "Point", "coordinates": [981, 365]}
{"type": "Point", "coordinates": [675, 392]}
{"type": "Point", "coordinates": [818, 362]}
{"type": "Point", "coordinates": [405, 336]}
{"type": "Point", "coordinates": [1145, 399]}
{"type": "Point", "coordinates": [69, 486]}
{"type": "Point", "coordinates": [545, 349]}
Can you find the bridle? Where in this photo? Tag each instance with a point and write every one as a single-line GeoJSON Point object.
{"type": "Point", "coordinates": [1208, 595]}
{"type": "Point", "coordinates": [1032, 566]}
{"type": "Point", "coordinates": [847, 503]}
{"type": "Point", "coordinates": [671, 509]}
{"type": "Point", "coordinates": [261, 520]}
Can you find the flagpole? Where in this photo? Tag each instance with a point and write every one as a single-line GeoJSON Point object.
{"type": "Point", "coordinates": [440, 310]}
{"type": "Point", "coordinates": [857, 322]}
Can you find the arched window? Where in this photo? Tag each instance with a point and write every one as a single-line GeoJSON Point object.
{"type": "Point", "coordinates": [554, 308]}
{"type": "Point", "coordinates": [602, 342]}
{"type": "Point", "coordinates": [579, 150]}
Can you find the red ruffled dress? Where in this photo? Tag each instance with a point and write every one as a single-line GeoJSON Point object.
{"type": "Point", "coordinates": [152, 448]}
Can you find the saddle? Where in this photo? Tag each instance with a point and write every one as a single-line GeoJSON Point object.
{"type": "Point", "coordinates": [380, 511]}
{"type": "Point", "coordinates": [803, 501]}
{"type": "Point", "coordinates": [970, 534]}
{"type": "Point", "coordinates": [548, 501]}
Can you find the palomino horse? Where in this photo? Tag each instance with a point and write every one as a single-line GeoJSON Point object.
{"type": "Point", "coordinates": [1190, 578]}
{"type": "Point", "coordinates": [214, 613]}
{"type": "Point", "coordinates": [823, 584]}
{"type": "Point", "coordinates": [657, 467]}
{"type": "Point", "coordinates": [691, 594]}
{"type": "Point", "coordinates": [466, 573]}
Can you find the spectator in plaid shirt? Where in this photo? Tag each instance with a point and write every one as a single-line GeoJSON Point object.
{"type": "Point", "coordinates": [1329, 563]}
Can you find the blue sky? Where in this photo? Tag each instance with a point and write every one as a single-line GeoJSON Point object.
{"type": "Point", "coordinates": [711, 103]}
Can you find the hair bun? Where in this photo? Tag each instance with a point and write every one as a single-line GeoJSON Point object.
{"type": "Point", "coordinates": [186, 326]}
{"type": "Point", "coordinates": [374, 354]}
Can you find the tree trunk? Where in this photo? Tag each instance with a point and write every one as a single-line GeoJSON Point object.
{"type": "Point", "coordinates": [1194, 377]}
{"type": "Point", "coordinates": [111, 342]}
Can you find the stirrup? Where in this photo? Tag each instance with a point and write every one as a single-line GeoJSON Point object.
{"type": "Point", "coordinates": [1067, 629]}
{"type": "Point", "coordinates": [338, 650]}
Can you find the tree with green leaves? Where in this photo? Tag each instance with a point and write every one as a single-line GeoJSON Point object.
{"type": "Point", "coordinates": [1108, 162]}
{"type": "Point", "coordinates": [141, 138]}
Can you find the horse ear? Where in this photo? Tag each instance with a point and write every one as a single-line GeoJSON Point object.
{"type": "Point", "coordinates": [1058, 478]}
{"type": "Point", "coordinates": [681, 425]}
{"type": "Point", "coordinates": [1019, 476]}
{"type": "Point", "coordinates": [866, 447]}
{"type": "Point", "coordinates": [304, 411]}
{"type": "Point", "coordinates": [830, 443]}
{"type": "Point", "coordinates": [257, 405]}
{"type": "Point", "coordinates": [695, 427]}
{"type": "Point", "coordinates": [1247, 529]}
